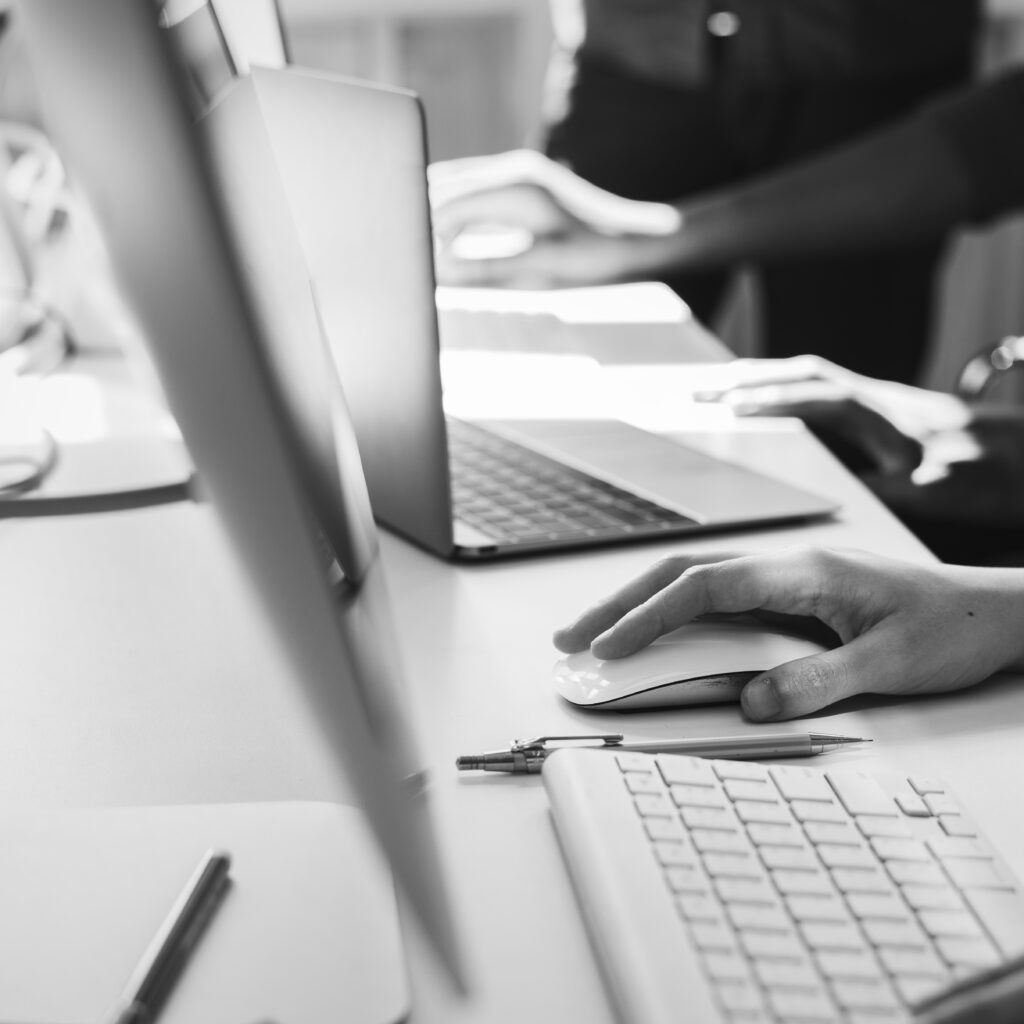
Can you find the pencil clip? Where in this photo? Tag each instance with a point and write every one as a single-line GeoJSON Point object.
{"type": "Point", "coordinates": [542, 742]}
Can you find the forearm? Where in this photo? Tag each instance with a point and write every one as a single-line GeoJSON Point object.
{"type": "Point", "coordinates": [898, 187]}
{"type": "Point", "coordinates": [995, 599]}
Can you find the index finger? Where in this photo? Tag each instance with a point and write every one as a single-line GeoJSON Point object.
{"type": "Point", "coordinates": [609, 610]}
{"type": "Point", "coordinates": [785, 582]}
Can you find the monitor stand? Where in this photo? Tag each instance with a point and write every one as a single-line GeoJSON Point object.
{"type": "Point", "coordinates": [307, 932]}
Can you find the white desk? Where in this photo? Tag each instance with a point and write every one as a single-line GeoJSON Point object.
{"type": "Point", "coordinates": [136, 669]}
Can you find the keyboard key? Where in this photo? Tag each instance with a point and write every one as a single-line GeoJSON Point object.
{"type": "Point", "coordinates": [772, 834]}
{"type": "Point", "coordinates": [976, 874]}
{"type": "Point", "coordinates": [739, 770]}
{"type": "Point", "coordinates": [871, 905]}
{"type": "Point", "coordinates": [838, 965]}
{"type": "Point", "coordinates": [634, 762]}
{"type": "Point", "coordinates": [712, 935]}
{"type": "Point", "coordinates": [912, 872]}
{"type": "Point", "coordinates": [860, 794]}
{"type": "Point", "coordinates": [642, 782]}
{"type": "Point", "coordinates": [953, 923]}
{"type": "Point", "coordinates": [751, 917]}
{"type": "Point", "coordinates": [707, 840]}
{"type": "Point", "coordinates": [751, 789]}
{"type": "Point", "coordinates": [753, 811]}
{"type": "Point", "coordinates": [709, 817]}
{"type": "Point", "coordinates": [932, 897]}
{"type": "Point", "coordinates": [900, 849]}
{"type": "Point", "coordinates": [806, 883]}
{"type": "Point", "coordinates": [803, 1007]}
{"type": "Point", "coordinates": [833, 832]}
{"type": "Point", "coordinates": [699, 908]}
{"type": "Point", "coordinates": [746, 890]}
{"type": "Point", "coordinates": [697, 796]}
{"type": "Point", "coordinates": [849, 880]}
{"type": "Point", "coordinates": [651, 805]}
{"type": "Point", "coordinates": [1002, 915]}
{"type": "Point", "coordinates": [773, 945]}
{"type": "Point", "coordinates": [836, 856]}
{"type": "Point", "coordinates": [957, 846]}
{"type": "Point", "coordinates": [874, 825]}
{"type": "Point", "coordinates": [941, 803]}
{"type": "Point", "coordinates": [866, 994]}
{"type": "Point", "coordinates": [801, 783]}
{"type": "Point", "coordinates": [688, 880]}
{"type": "Point", "coordinates": [739, 998]}
{"type": "Point", "coordinates": [877, 1016]}
{"type": "Point", "coordinates": [977, 953]}
{"type": "Point", "coordinates": [783, 974]}
{"type": "Point", "coordinates": [675, 854]}
{"type": "Point", "coordinates": [692, 771]}
{"type": "Point", "coordinates": [817, 908]}
{"type": "Point", "coordinates": [664, 828]}
{"type": "Point", "coordinates": [726, 966]}
{"type": "Point", "coordinates": [957, 825]}
{"type": "Point", "coordinates": [799, 859]}
{"type": "Point", "coordinates": [885, 933]}
{"type": "Point", "coordinates": [912, 988]}
{"type": "Point", "coordinates": [924, 786]}
{"type": "Point", "coordinates": [911, 961]}
{"type": "Point", "coordinates": [732, 865]}
{"type": "Point", "coordinates": [913, 805]}
{"type": "Point", "coordinates": [822, 935]}
{"type": "Point", "coordinates": [818, 810]}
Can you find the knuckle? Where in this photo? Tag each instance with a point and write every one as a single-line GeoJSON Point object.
{"type": "Point", "coordinates": [672, 565]}
{"type": "Point", "coordinates": [704, 578]}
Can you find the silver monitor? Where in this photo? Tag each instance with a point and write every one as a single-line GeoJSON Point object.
{"type": "Point", "coordinates": [224, 299]}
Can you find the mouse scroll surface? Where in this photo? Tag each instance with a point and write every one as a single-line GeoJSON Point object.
{"type": "Point", "coordinates": [708, 661]}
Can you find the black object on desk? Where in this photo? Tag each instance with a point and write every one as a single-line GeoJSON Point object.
{"type": "Point", "coordinates": [165, 956]}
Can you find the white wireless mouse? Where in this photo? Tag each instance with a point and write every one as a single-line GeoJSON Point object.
{"type": "Point", "coordinates": [707, 661]}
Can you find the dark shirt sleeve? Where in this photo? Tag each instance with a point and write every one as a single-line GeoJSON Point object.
{"type": "Point", "coordinates": [985, 129]}
{"type": "Point", "coordinates": [871, 39]}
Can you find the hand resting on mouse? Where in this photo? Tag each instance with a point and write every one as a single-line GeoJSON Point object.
{"type": "Point", "coordinates": [903, 627]}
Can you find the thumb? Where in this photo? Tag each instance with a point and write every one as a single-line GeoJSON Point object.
{"type": "Point", "coordinates": [809, 684]}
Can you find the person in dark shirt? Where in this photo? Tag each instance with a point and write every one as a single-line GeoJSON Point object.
{"type": "Point", "coordinates": [667, 100]}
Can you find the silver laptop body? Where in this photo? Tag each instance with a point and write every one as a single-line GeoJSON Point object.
{"type": "Point", "coordinates": [352, 158]}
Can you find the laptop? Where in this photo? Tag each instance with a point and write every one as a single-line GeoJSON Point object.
{"type": "Point", "coordinates": [226, 307]}
{"type": "Point", "coordinates": [353, 162]}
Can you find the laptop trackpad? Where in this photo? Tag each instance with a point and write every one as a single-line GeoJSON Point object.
{"type": "Point", "coordinates": [703, 487]}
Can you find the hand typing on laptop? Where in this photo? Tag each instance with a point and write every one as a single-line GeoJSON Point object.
{"type": "Point", "coordinates": [904, 628]}
{"type": "Point", "coordinates": [939, 462]}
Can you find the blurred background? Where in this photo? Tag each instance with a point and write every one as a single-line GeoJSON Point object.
{"type": "Point", "coordinates": [480, 67]}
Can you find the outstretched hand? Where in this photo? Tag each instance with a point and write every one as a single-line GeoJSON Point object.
{"type": "Point", "coordinates": [904, 628]}
{"type": "Point", "coordinates": [519, 219]}
{"type": "Point", "coordinates": [929, 456]}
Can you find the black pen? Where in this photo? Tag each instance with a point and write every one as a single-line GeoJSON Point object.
{"type": "Point", "coordinates": [166, 954]}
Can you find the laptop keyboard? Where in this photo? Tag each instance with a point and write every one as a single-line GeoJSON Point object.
{"type": "Point", "coordinates": [514, 494]}
{"type": "Point", "coordinates": [804, 895]}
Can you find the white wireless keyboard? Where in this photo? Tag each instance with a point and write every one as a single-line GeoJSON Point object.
{"type": "Point", "coordinates": [726, 891]}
